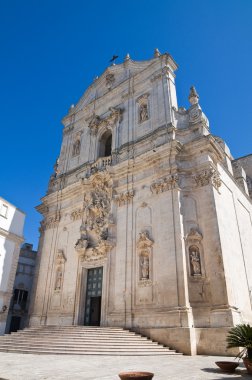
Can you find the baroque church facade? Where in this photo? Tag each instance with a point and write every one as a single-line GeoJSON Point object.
{"type": "Point", "coordinates": [147, 222]}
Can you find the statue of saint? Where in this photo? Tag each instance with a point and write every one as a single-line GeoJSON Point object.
{"type": "Point", "coordinates": [143, 112]}
{"type": "Point", "coordinates": [144, 264]}
{"type": "Point", "coordinates": [195, 260]}
{"type": "Point", "coordinates": [58, 282]}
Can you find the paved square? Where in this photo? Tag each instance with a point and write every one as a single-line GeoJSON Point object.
{"type": "Point", "coordinates": [66, 367]}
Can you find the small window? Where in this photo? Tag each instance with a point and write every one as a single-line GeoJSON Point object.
{"type": "Point", "coordinates": [4, 211]}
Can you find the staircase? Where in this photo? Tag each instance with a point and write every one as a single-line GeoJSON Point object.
{"type": "Point", "coordinates": [81, 340]}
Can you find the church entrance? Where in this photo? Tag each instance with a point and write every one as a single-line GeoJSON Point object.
{"type": "Point", "coordinates": [93, 297]}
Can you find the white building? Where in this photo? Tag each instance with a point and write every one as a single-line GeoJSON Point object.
{"type": "Point", "coordinates": [147, 219]}
{"type": "Point", "coordinates": [11, 236]}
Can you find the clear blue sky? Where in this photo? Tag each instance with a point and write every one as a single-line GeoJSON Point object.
{"type": "Point", "coordinates": [51, 51]}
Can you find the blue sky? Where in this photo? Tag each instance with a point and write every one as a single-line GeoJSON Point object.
{"type": "Point", "coordinates": [52, 50]}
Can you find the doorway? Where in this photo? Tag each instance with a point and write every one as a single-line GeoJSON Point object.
{"type": "Point", "coordinates": [92, 315]}
{"type": "Point", "coordinates": [15, 324]}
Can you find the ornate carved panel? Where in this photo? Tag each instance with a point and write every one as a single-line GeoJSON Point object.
{"type": "Point", "coordinates": [97, 122]}
{"type": "Point", "coordinates": [50, 222]}
{"type": "Point", "coordinates": [208, 176]}
{"type": "Point", "coordinates": [165, 184]}
{"type": "Point", "coordinates": [124, 198]}
{"type": "Point", "coordinates": [76, 214]}
{"type": "Point", "coordinates": [94, 243]}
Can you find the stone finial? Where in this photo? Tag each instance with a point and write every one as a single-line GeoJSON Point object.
{"type": "Point", "coordinates": [193, 96]}
{"type": "Point", "coordinates": [157, 53]}
{"type": "Point", "coordinates": [71, 109]}
{"type": "Point", "coordinates": [127, 57]}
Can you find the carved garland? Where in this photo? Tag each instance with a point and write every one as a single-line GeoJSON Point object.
{"type": "Point", "coordinates": [50, 222]}
{"type": "Point", "coordinates": [165, 184]}
{"type": "Point", "coordinates": [76, 214]}
{"type": "Point", "coordinates": [124, 198]}
{"type": "Point", "coordinates": [208, 176]}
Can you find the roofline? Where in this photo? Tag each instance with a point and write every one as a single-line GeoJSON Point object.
{"type": "Point", "coordinates": [11, 204]}
{"type": "Point", "coordinates": [247, 155]}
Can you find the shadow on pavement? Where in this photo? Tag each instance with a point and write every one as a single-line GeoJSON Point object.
{"type": "Point", "coordinates": [239, 373]}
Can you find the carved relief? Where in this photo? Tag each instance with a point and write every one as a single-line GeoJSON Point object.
{"type": "Point", "coordinates": [50, 222]}
{"type": "Point", "coordinates": [144, 249]}
{"type": "Point", "coordinates": [195, 264]}
{"type": "Point", "coordinates": [109, 121]}
{"type": "Point", "coordinates": [124, 198]}
{"type": "Point", "coordinates": [94, 243]}
{"type": "Point", "coordinates": [165, 184]}
{"type": "Point", "coordinates": [207, 176]}
{"type": "Point", "coordinates": [194, 236]}
{"type": "Point", "coordinates": [58, 280]}
{"type": "Point", "coordinates": [82, 243]}
{"type": "Point", "coordinates": [143, 108]}
{"type": "Point", "coordinates": [76, 214]}
{"type": "Point", "coordinates": [60, 262]}
{"type": "Point", "coordinates": [110, 79]}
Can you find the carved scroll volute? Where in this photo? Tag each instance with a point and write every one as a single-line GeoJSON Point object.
{"type": "Point", "coordinates": [144, 249]}
{"type": "Point", "coordinates": [194, 251]}
{"type": "Point", "coordinates": [59, 273]}
{"type": "Point", "coordinates": [96, 122]}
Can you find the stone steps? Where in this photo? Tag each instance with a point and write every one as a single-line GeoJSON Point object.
{"type": "Point", "coordinates": [81, 340]}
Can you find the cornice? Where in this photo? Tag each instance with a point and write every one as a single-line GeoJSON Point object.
{"type": "Point", "coordinates": [17, 239]}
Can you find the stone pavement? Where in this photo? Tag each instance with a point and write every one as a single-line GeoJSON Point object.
{"type": "Point", "coordinates": [76, 367]}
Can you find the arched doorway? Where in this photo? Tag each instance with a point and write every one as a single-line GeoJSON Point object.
{"type": "Point", "coordinates": [105, 147]}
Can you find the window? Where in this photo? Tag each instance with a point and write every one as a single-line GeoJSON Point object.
{"type": "Point", "coordinates": [20, 298]}
{"type": "Point", "coordinates": [4, 210]}
{"type": "Point", "coordinates": [105, 145]}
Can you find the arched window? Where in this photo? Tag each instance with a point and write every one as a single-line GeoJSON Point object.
{"type": "Point", "coordinates": [105, 144]}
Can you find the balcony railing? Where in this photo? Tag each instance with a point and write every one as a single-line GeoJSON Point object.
{"type": "Point", "coordinates": [101, 163]}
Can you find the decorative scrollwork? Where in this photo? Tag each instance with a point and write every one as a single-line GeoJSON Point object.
{"type": "Point", "coordinates": [97, 122]}
{"type": "Point", "coordinates": [165, 184]}
{"type": "Point", "coordinates": [207, 176]}
{"type": "Point", "coordinates": [124, 198]}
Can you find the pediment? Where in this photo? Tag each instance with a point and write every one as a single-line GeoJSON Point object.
{"type": "Point", "coordinates": [110, 78]}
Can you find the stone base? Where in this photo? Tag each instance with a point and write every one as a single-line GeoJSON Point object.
{"type": "Point", "coordinates": [212, 341]}
{"type": "Point", "coordinates": [192, 341]}
{"type": "Point", "coordinates": [181, 339]}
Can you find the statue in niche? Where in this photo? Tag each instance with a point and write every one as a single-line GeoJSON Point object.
{"type": "Point", "coordinates": [143, 112]}
{"type": "Point", "coordinates": [76, 148]}
{"type": "Point", "coordinates": [194, 255]}
{"type": "Point", "coordinates": [59, 278]}
{"type": "Point", "coordinates": [144, 267]}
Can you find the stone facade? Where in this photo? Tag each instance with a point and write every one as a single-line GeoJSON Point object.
{"type": "Point", "coordinates": [18, 310]}
{"type": "Point", "coordinates": [11, 236]}
{"type": "Point", "coordinates": [146, 198]}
